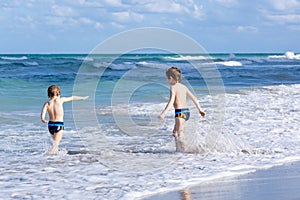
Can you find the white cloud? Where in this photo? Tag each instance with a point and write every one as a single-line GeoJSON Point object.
{"type": "Point", "coordinates": [51, 20]}
{"type": "Point", "coordinates": [227, 3]}
{"type": "Point", "coordinates": [121, 16]}
{"type": "Point", "coordinates": [63, 11]}
{"type": "Point", "coordinates": [284, 19]}
{"type": "Point", "coordinates": [25, 20]}
{"type": "Point", "coordinates": [114, 3]}
{"type": "Point", "coordinates": [294, 27]}
{"type": "Point", "coordinates": [11, 4]}
{"type": "Point", "coordinates": [198, 12]}
{"type": "Point", "coordinates": [182, 9]}
{"type": "Point", "coordinates": [164, 7]}
{"type": "Point", "coordinates": [127, 16]}
{"type": "Point", "coordinates": [287, 5]}
{"type": "Point", "coordinates": [83, 3]}
{"type": "Point", "coordinates": [52, 37]}
{"type": "Point", "coordinates": [68, 13]}
{"type": "Point", "coordinates": [30, 3]}
{"type": "Point", "coordinates": [85, 20]}
{"type": "Point", "coordinates": [65, 22]}
{"type": "Point", "coordinates": [282, 12]}
{"type": "Point", "coordinates": [117, 25]}
{"type": "Point", "coordinates": [247, 29]}
{"type": "Point", "coordinates": [98, 25]}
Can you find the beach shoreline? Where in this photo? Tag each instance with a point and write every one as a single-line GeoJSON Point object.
{"type": "Point", "coordinates": [278, 182]}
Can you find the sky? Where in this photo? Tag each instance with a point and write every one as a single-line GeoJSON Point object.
{"type": "Point", "coordinates": [220, 26]}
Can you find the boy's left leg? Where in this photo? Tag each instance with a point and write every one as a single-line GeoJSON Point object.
{"type": "Point", "coordinates": [175, 134]}
{"type": "Point", "coordinates": [179, 134]}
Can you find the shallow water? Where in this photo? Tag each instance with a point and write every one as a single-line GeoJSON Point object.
{"type": "Point", "coordinates": [134, 166]}
{"type": "Point", "coordinates": [126, 159]}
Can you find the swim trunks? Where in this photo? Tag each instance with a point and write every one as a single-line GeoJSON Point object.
{"type": "Point", "coordinates": [182, 113]}
{"type": "Point", "coordinates": [55, 127]}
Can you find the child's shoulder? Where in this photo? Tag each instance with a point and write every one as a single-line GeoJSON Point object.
{"type": "Point", "coordinates": [178, 87]}
{"type": "Point", "coordinates": [47, 103]}
{"type": "Point", "coordinates": [55, 100]}
{"type": "Point", "coordinates": [181, 86]}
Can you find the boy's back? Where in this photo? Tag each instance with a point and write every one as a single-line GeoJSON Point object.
{"type": "Point", "coordinates": [180, 92]}
{"type": "Point", "coordinates": [55, 109]}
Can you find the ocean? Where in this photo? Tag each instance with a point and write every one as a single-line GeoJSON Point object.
{"type": "Point", "coordinates": [114, 147]}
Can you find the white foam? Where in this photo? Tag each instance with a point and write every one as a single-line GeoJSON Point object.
{"type": "Point", "coordinates": [180, 58]}
{"type": "Point", "coordinates": [31, 63]}
{"type": "Point", "coordinates": [151, 65]}
{"type": "Point", "coordinates": [230, 63]}
{"type": "Point", "coordinates": [291, 55]}
{"type": "Point", "coordinates": [14, 58]}
{"type": "Point", "coordinates": [86, 59]}
{"type": "Point", "coordinates": [288, 55]}
{"type": "Point", "coordinates": [121, 67]}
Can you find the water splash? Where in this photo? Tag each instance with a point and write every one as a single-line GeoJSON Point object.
{"type": "Point", "coordinates": [201, 141]}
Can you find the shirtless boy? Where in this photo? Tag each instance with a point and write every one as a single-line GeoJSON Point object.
{"type": "Point", "coordinates": [178, 94]}
{"type": "Point", "coordinates": [55, 110]}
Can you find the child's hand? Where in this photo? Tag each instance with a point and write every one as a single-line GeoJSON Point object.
{"type": "Point", "coordinates": [202, 113]}
{"type": "Point", "coordinates": [44, 121]}
{"type": "Point", "coordinates": [84, 98]}
{"type": "Point", "coordinates": [161, 116]}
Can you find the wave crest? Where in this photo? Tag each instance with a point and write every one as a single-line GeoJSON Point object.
{"type": "Point", "coordinates": [14, 58]}
{"type": "Point", "coordinates": [288, 55]}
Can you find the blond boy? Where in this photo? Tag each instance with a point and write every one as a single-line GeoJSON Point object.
{"type": "Point", "coordinates": [178, 94]}
{"type": "Point", "coordinates": [55, 110]}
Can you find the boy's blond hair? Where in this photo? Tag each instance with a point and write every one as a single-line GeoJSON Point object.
{"type": "Point", "coordinates": [53, 90]}
{"type": "Point", "coordinates": [175, 73]}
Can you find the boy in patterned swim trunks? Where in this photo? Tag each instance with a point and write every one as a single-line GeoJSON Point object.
{"type": "Point", "coordinates": [178, 94]}
{"type": "Point", "coordinates": [55, 109]}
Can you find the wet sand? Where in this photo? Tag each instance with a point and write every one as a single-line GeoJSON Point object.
{"type": "Point", "coordinates": [280, 182]}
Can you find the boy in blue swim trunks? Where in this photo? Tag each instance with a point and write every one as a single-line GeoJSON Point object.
{"type": "Point", "coordinates": [55, 110]}
{"type": "Point", "coordinates": [178, 94]}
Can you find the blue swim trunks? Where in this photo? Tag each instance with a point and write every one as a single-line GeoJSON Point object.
{"type": "Point", "coordinates": [182, 113]}
{"type": "Point", "coordinates": [55, 127]}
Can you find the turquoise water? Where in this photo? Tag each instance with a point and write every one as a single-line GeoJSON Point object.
{"type": "Point", "coordinates": [27, 77]}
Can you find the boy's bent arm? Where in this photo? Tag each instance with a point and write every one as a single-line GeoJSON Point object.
{"type": "Point", "coordinates": [168, 106]}
{"type": "Point", "coordinates": [43, 113]}
{"type": "Point", "coordinates": [194, 99]}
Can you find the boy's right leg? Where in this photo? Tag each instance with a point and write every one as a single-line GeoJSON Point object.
{"type": "Point", "coordinates": [179, 134]}
{"type": "Point", "coordinates": [56, 140]}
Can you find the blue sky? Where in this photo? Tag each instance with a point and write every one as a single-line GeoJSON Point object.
{"type": "Point", "coordinates": [78, 26]}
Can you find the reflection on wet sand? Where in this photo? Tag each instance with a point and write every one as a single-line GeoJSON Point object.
{"type": "Point", "coordinates": [186, 194]}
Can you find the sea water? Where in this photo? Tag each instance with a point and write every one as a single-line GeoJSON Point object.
{"type": "Point", "coordinates": [114, 147]}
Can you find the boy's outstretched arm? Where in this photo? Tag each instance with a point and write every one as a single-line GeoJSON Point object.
{"type": "Point", "coordinates": [194, 99]}
{"type": "Point", "coordinates": [168, 106]}
{"type": "Point", "coordinates": [74, 98]}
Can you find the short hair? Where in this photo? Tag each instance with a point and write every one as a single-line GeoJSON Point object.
{"type": "Point", "coordinates": [53, 90]}
{"type": "Point", "coordinates": [175, 73]}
